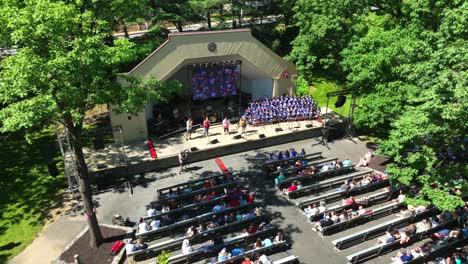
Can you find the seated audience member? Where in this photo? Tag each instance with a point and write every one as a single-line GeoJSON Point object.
{"type": "Point", "coordinates": [191, 231]}
{"type": "Point", "coordinates": [219, 207]}
{"type": "Point", "coordinates": [302, 153]}
{"type": "Point", "coordinates": [346, 162]}
{"type": "Point", "coordinates": [186, 248]}
{"type": "Point", "coordinates": [423, 226]}
{"type": "Point", "coordinates": [368, 157]}
{"type": "Point", "coordinates": [280, 178]}
{"type": "Point", "coordinates": [140, 244]}
{"type": "Point", "coordinates": [299, 185]}
{"type": "Point", "coordinates": [142, 227]}
{"type": "Point", "coordinates": [252, 229]}
{"type": "Point", "coordinates": [155, 224]}
{"type": "Point", "coordinates": [267, 242]}
{"type": "Point", "coordinates": [257, 244]}
{"type": "Point", "coordinates": [280, 156]}
{"type": "Point", "coordinates": [290, 189]}
{"type": "Point", "coordinates": [388, 238]}
{"type": "Point", "coordinates": [298, 163]}
{"type": "Point", "coordinates": [311, 210]}
{"type": "Point", "coordinates": [401, 197]}
{"type": "Point", "coordinates": [223, 255]}
{"type": "Point", "coordinates": [322, 207]}
{"type": "Point", "coordinates": [251, 198]}
{"type": "Point", "coordinates": [278, 238]}
{"type": "Point", "coordinates": [271, 157]}
{"type": "Point", "coordinates": [247, 261]}
{"type": "Point", "coordinates": [151, 212]}
{"type": "Point", "coordinates": [287, 155]}
{"type": "Point", "coordinates": [236, 252]}
{"type": "Point", "coordinates": [344, 187]}
{"type": "Point", "coordinates": [293, 153]}
{"type": "Point", "coordinates": [215, 246]}
{"type": "Point", "coordinates": [362, 162]}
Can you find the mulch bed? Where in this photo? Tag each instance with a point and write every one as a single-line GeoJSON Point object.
{"type": "Point", "coordinates": [379, 162]}
{"type": "Point", "coordinates": [99, 255]}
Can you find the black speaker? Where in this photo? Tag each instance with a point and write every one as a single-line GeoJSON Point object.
{"type": "Point", "coordinates": [53, 170]}
{"type": "Point", "coordinates": [341, 101]}
{"type": "Point", "coordinates": [193, 149]}
{"type": "Point", "coordinates": [214, 141]}
{"type": "Point", "coordinates": [98, 144]}
{"type": "Point", "coordinates": [237, 137]}
{"type": "Point", "coordinates": [261, 136]}
{"type": "Point", "coordinates": [278, 129]}
{"type": "Point", "coordinates": [309, 125]}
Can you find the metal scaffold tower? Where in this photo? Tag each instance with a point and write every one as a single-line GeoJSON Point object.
{"type": "Point", "coordinates": [68, 157]}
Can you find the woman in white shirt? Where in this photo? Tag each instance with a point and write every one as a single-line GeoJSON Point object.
{"type": "Point", "coordinates": [186, 248]}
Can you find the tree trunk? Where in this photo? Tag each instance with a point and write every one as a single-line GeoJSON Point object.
{"type": "Point", "coordinates": [125, 28]}
{"type": "Point", "coordinates": [240, 18]}
{"type": "Point", "coordinates": [208, 18]}
{"type": "Point", "coordinates": [179, 26]}
{"type": "Point", "coordinates": [83, 181]}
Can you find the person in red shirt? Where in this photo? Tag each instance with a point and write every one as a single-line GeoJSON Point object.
{"type": "Point", "coordinates": [252, 229]}
{"type": "Point", "coordinates": [251, 198]}
{"type": "Point", "coordinates": [234, 203]}
{"type": "Point", "coordinates": [206, 126]}
{"type": "Point", "coordinates": [291, 188]}
{"type": "Point", "coordinates": [207, 184]}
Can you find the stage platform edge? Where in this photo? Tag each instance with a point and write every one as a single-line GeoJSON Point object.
{"type": "Point", "coordinates": [210, 153]}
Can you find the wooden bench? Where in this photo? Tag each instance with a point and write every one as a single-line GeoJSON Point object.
{"type": "Point", "coordinates": [192, 182]}
{"type": "Point", "coordinates": [288, 259]}
{"type": "Point", "coordinates": [376, 213]}
{"type": "Point", "coordinates": [308, 165]}
{"type": "Point", "coordinates": [334, 196]}
{"type": "Point", "coordinates": [316, 176]}
{"type": "Point", "coordinates": [189, 258]}
{"type": "Point", "coordinates": [253, 252]}
{"type": "Point", "coordinates": [275, 163]}
{"type": "Point", "coordinates": [178, 241]}
{"type": "Point", "coordinates": [190, 221]}
{"type": "Point", "coordinates": [377, 230]}
{"type": "Point", "coordinates": [201, 191]}
{"type": "Point", "coordinates": [378, 250]}
{"type": "Point", "coordinates": [441, 251]}
{"type": "Point", "coordinates": [372, 199]}
{"type": "Point", "coordinates": [329, 183]}
{"type": "Point", "coordinates": [186, 208]}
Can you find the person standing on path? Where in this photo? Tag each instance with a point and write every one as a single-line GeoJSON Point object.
{"type": "Point", "coordinates": [226, 125]}
{"type": "Point", "coordinates": [206, 126]}
{"type": "Point", "coordinates": [189, 128]}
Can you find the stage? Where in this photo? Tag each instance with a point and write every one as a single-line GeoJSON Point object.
{"type": "Point", "coordinates": [138, 158]}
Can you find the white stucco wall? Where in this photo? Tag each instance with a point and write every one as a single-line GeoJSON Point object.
{"type": "Point", "coordinates": [134, 127]}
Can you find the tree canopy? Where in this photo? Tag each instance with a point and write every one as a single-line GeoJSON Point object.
{"type": "Point", "coordinates": [66, 64]}
{"type": "Point", "coordinates": [408, 62]}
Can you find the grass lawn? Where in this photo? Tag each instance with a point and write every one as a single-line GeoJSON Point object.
{"type": "Point", "coordinates": [27, 192]}
{"type": "Point", "coordinates": [320, 88]}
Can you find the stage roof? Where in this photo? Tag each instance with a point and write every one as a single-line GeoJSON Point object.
{"type": "Point", "coordinates": [186, 48]}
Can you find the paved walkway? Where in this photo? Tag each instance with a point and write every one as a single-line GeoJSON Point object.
{"type": "Point", "coordinates": [50, 243]}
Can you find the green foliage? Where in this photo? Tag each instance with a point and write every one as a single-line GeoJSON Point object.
{"type": "Point", "coordinates": [411, 70]}
{"type": "Point", "coordinates": [163, 258]}
{"type": "Point", "coordinates": [321, 86]}
{"type": "Point", "coordinates": [177, 12]}
{"type": "Point", "coordinates": [66, 64]}
{"type": "Point", "coordinates": [325, 29]}
{"type": "Point", "coordinates": [302, 86]}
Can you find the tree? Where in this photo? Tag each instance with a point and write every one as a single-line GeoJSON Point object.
{"type": "Point", "coordinates": [66, 64]}
{"type": "Point", "coordinates": [411, 71]}
{"type": "Point", "coordinates": [178, 12]}
{"type": "Point", "coordinates": [325, 29]}
{"type": "Point", "coordinates": [206, 7]}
